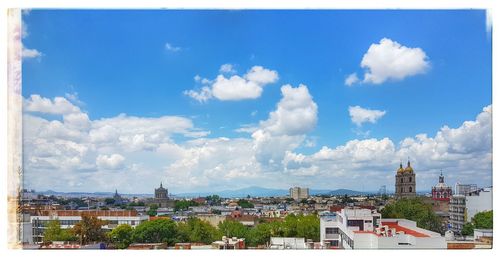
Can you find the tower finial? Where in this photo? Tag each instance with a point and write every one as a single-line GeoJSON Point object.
{"type": "Point", "coordinates": [408, 161]}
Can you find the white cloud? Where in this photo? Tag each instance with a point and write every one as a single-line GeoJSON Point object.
{"type": "Point", "coordinates": [172, 48]}
{"type": "Point", "coordinates": [234, 88]}
{"type": "Point", "coordinates": [389, 60]}
{"type": "Point", "coordinates": [59, 105]}
{"type": "Point", "coordinates": [111, 162]}
{"type": "Point", "coordinates": [227, 68]}
{"type": "Point", "coordinates": [202, 96]}
{"type": "Point", "coordinates": [351, 79]}
{"type": "Point", "coordinates": [285, 129]}
{"type": "Point", "coordinates": [360, 115]}
{"type": "Point", "coordinates": [31, 53]}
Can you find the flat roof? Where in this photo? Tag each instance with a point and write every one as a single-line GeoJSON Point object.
{"type": "Point", "coordinates": [406, 230]}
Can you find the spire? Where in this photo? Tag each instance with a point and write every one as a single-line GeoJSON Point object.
{"type": "Point", "coordinates": [408, 161]}
{"type": "Point", "coordinates": [161, 184]}
{"type": "Point", "coordinates": [441, 177]}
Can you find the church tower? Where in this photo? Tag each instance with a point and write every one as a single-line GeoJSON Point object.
{"type": "Point", "coordinates": [405, 185]}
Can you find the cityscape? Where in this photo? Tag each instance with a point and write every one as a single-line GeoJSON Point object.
{"type": "Point", "coordinates": [235, 130]}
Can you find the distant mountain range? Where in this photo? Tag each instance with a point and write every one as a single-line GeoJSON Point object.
{"type": "Point", "coordinates": [243, 192]}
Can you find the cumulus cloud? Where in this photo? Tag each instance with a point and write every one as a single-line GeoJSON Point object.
{"type": "Point", "coordinates": [390, 60]}
{"type": "Point", "coordinates": [351, 79]}
{"type": "Point", "coordinates": [235, 87]}
{"type": "Point", "coordinates": [30, 53]}
{"type": "Point", "coordinates": [285, 128]}
{"type": "Point", "coordinates": [227, 68]}
{"type": "Point", "coordinates": [111, 162]}
{"type": "Point", "coordinates": [360, 115]}
{"type": "Point", "coordinates": [59, 105]}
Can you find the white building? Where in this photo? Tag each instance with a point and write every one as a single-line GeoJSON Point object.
{"type": "Point", "coordinates": [299, 193]}
{"type": "Point", "coordinates": [284, 243]}
{"type": "Point", "coordinates": [354, 228]}
{"type": "Point", "coordinates": [479, 201]}
{"type": "Point", "coordinates": [68, 218]}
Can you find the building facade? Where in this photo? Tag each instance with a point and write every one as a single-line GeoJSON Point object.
{"type": "Point", "coordinates": [405, 184]}
{"type": "Point", "coordinates": [478, 201]}
{"type": "Point", "coordinates": [299, 193]}
{"type": "Point", "coordinates": [466, 202]}
{"type": "Point", "coordinates": [354, 228]}
{"type": "Point", "coordinates": [68, 218]}
{"type": "Point", "coordinates": [161, 198]}
{"type": "Point", "coordinates": [441, 192]}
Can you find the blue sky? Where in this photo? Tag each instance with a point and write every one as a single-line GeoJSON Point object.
{"type": "Point", "coordinates": [114, 62]}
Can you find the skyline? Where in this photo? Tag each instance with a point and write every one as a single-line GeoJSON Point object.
{"type": "Point", "coordinates": [229, 99]}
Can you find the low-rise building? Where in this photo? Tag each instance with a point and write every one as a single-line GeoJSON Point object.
{"type": "Point", "coordinates": [68, 218]}
{"type": "Point", "coordinates": [354, 228]}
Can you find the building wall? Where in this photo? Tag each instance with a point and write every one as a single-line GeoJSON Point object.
{"type": "Point", "coordinates": [478, 203]}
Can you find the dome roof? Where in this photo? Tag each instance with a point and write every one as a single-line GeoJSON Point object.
{"type": "Point", "coordinates": [409, 168]}
{"type": "Point", "coordinates": [401, 170]}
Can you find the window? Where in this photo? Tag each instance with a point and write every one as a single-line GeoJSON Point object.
{"type": "Point", "coordinates": [410, 179]}
{"type": "Point", "coordinates": [401, 190]}
{"type": "Point", "coordinates": [409, 189]}
{"type": "Point", "coordinates": [332, 230]}
{"type": "Point", "coordinates": [401, 180]}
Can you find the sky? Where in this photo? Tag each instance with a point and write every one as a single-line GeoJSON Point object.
{"type": "Point", "coordinates": [214, 100]}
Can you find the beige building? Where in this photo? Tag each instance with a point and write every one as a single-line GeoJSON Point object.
{"type": "Point", "coordinates": [299, 193]}
{"type": "Point", "coordinates": [405, 185]}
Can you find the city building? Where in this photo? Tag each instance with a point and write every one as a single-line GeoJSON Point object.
{"type": "Point", "coordinates": [227, 243]}
{"type": "Point", "coordinates": [441, 191]}
{"type": "Point", "coordinates": [161, 198]}
{"type": "Point", "coordinates": [299, 193]}
{"type": "Point", "coordinates": [287, 243]}
{"type": "Point", "coordinates": [405, 184]}
{"type": "Point", "coordinates": [478, 201]}
{"type": "Point", "coordinates": [467, 201]}
{"type": "Point", "coordinates": [68, 218]}
{"type": "Point", "coordinates": [355, 228]}
{"type": "Point", "coordinates": [118, 198]}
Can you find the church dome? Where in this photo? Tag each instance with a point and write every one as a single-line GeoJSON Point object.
{"type": "Point", "coordinates": [408, 169]}
{"type": "Point", "coordinates": [400, 170]}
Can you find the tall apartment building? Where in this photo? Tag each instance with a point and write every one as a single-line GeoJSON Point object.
{"type": "Point", "coordinates": [466, 202]}
{"type": "Point", "coordinates": [299, 193]}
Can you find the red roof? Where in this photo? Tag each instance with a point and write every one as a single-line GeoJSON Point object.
{"type": "Point", "coordinates": [404, 229]}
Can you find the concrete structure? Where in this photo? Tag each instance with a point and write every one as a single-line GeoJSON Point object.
{"type": "Point", "coordinates": [478, 201]}
{"type": "Point", "coordinates": [227, 243]}
{"type": "Point", "coordinates": [405, 184]}
{"type": "Point", "coordinates": [68, 218]}
{"type": "Point", "coordinates": [299, 193]}
{"type": "Point", "coordinates": [353, 228]}
{"type": "Point", "coordinates": [457, 213]}
{"type": "Point", "coordinates": [467, 202]}
{"type": "Point", "coordinates": [161, 198]}
{"type": "Point", "coordinates": [441, 192]}
{"type": "Point", "coordinates": [287, 243]}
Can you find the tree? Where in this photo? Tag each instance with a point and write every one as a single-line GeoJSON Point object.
{"type": "Point", "coordinates": [480, 220]}
{"type": "Point", "coordinates": [202, 231]}
{"type": "Point", "coordinates": [152, 210]}
{"type": "Point", "coordinates": [245, 203]}
{"type": "Point", "coordinates": [109, 201]}
{"type": "Point", "coordinates": [416, 210]}
{"type": "Point", "coordinates": [121, 236]}
{"type": "Point", "coordinates": [155, 231]}
{"type": "Point", "coordinates": [54, 232]}
{"type": "Point", "coordinates": [213, 199]}
{"type": "Point", "coordinates": [184, 205]}
{"type": "Point", "coordinates": [89, 229]}
{"type": "Point", "coordinates": [233, 228]}
{"type": "Point", "coordinates": [483, 220]}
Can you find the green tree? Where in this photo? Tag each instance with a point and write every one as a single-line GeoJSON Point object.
{"type": "Point", "coordinates": [155, 231]}
{"type": "Point", "coordinates": [416, 210]}
{"type": "Point", "coordinates": [213, 199]}
{"type": "Point", "coordinates": [121, 236]}
{"type": "Point", "coordinates": [54, 232]}
{"type": "Point", "coordinates": [480, 220]}
{"type": "Point", "coordinates": [233, 228]}
{"type": "Point", "coordinates": [152, 210]}
{"type": "Point", "coordinates": [89, 229]}
{"type": "Point", "coordinates": [202, 231]}
{"type": "Point", "coordinates": [245, 203]}
{"type": "Point", "coordinates": [109, 201]}
{"type": "Point", "coordinates": [183, 205]}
